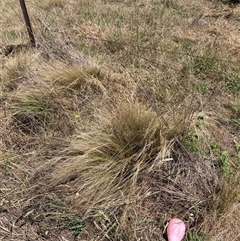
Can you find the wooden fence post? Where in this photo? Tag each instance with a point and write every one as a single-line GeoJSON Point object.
{"type": "Point", "coordinates": [28, 23]}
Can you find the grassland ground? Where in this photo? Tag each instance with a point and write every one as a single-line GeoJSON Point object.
{"type": "Point", "coordinates": [126, 114]}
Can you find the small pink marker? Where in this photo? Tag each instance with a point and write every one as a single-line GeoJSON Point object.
{"type": "Point", "coordinates": [175, 230]}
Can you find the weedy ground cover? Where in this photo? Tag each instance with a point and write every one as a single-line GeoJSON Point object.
{"type": "Point", "coordinates": [127, 113]}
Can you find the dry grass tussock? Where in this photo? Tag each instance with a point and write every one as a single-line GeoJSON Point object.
{"type": "Point", "coordinates": [18, 69]}
{"type": "Point", "coordinates": [125, 115]}
{"type": "Point", "coordinates": [120, 146]}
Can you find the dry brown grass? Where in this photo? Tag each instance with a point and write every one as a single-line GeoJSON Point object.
{"type": "Point", "coordinates": [125, 115]}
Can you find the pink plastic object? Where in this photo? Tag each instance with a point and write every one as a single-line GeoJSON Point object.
{"type": "Point", "coordinates": [176, 230]}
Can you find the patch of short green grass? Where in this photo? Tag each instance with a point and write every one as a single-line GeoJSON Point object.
{"type": "Point", "coordinates": [233, 82]}
{"type": "Point", "coordinates": [5, 164]}
{"type": "Point", "coordinates": [76, 225]}
{"type": "Point", "coordinates": [192, 236]}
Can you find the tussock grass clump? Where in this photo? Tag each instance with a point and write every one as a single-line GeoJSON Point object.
{"type": "Point", "coordinates": [31, 110]}
{"type": "Point", "coordinates": [107, 163]}
{"type": "Point", "coordinates": [17, 69]}
{"type": "Point", "coordinates": [37, 109]}
{"type": "Point", "coordinates": [88, 86]}
{"type": "Point", "coordinates": [75, 77]}
{"type": "Point", "coordinates": [114, 154]}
